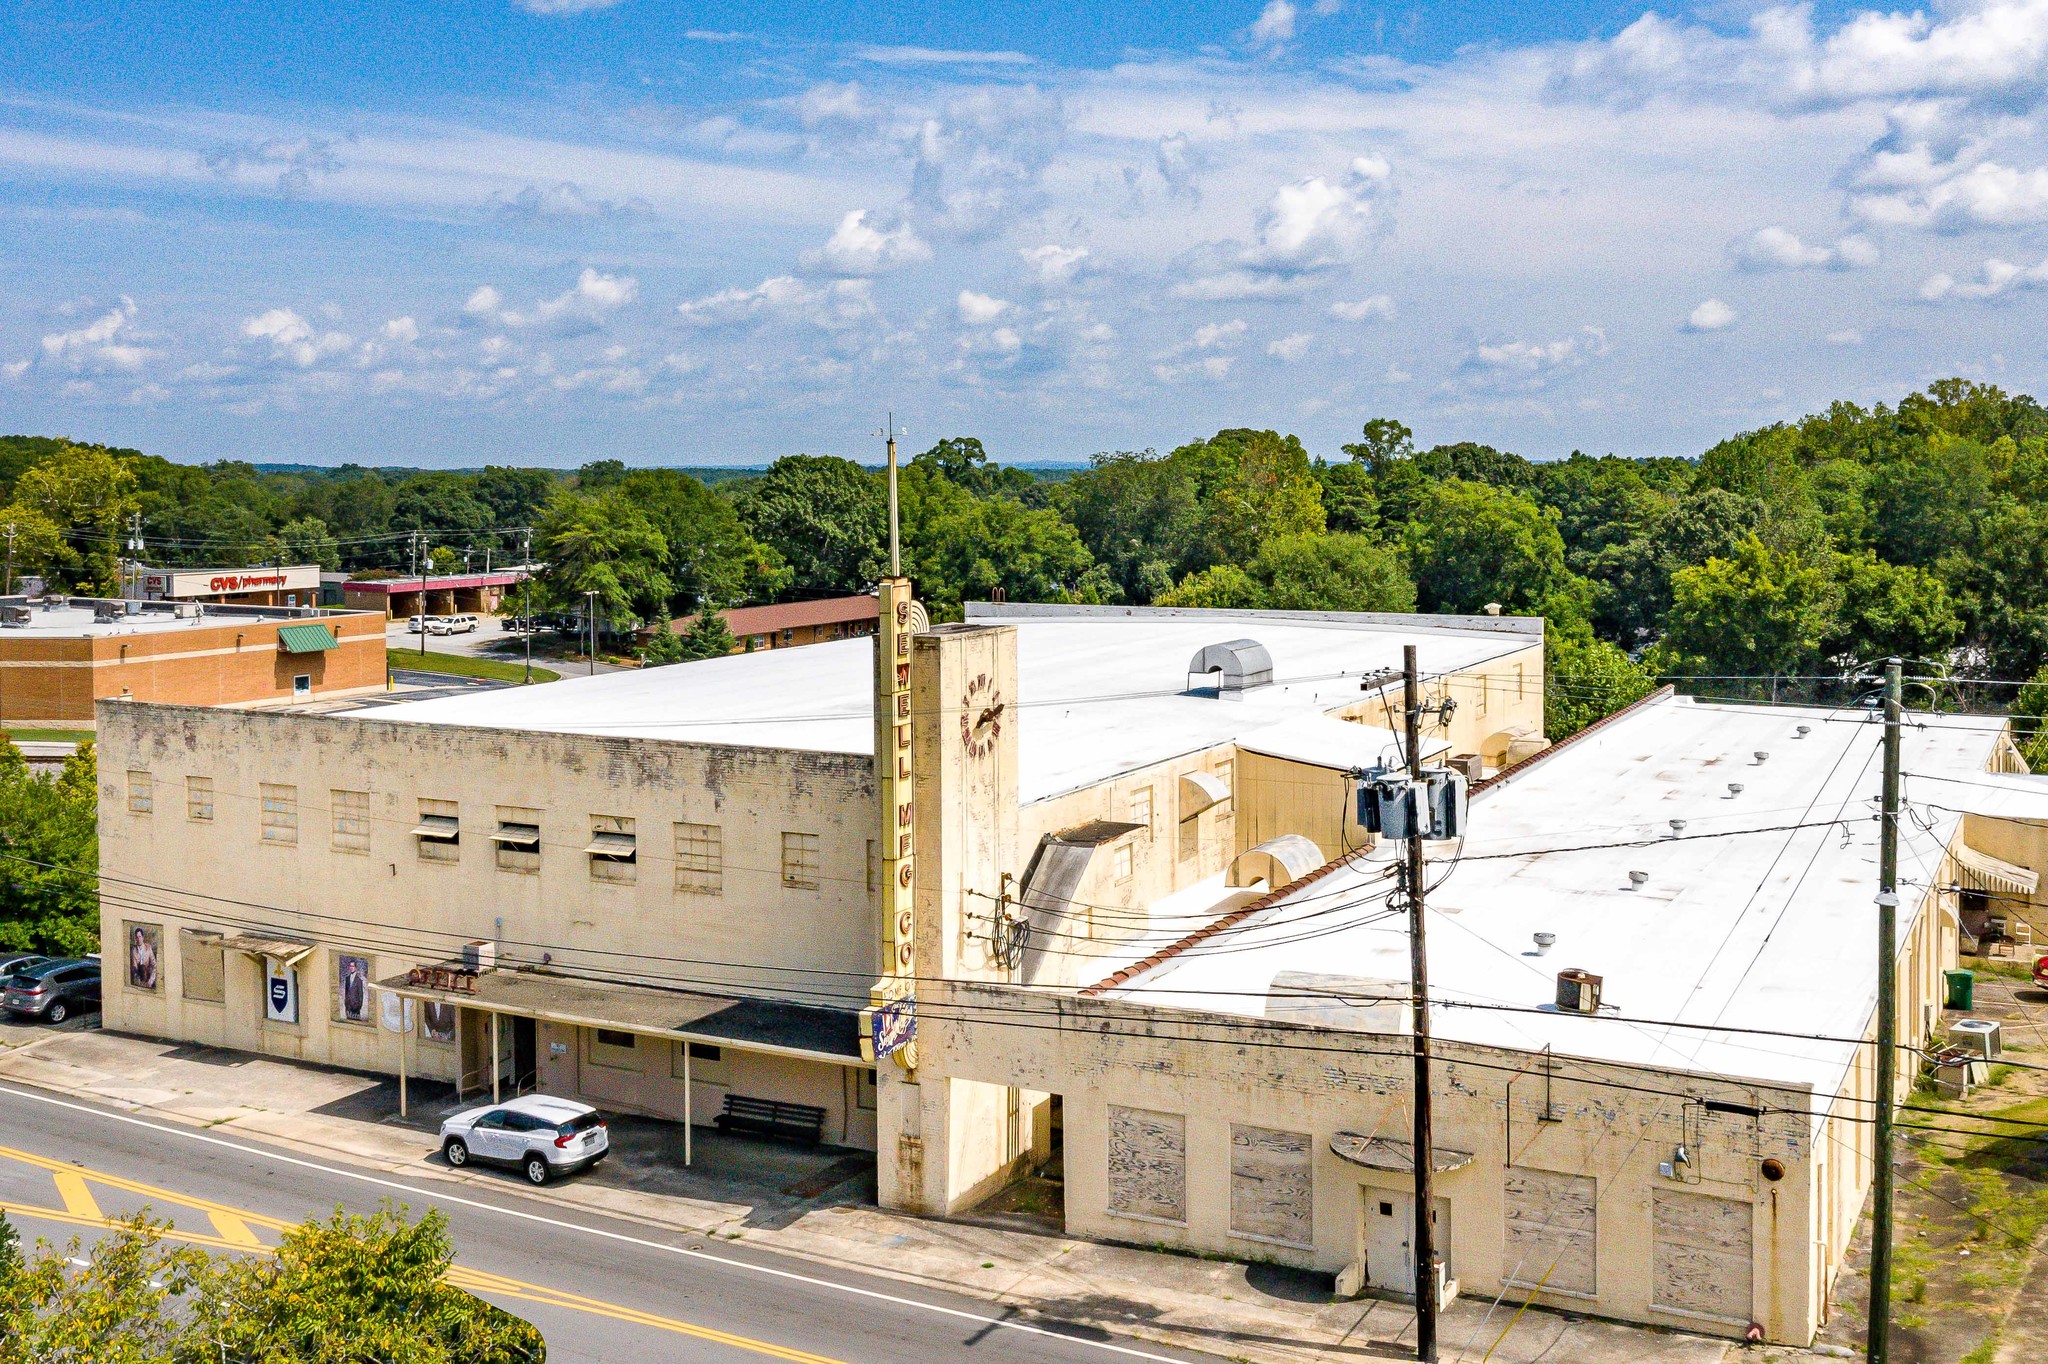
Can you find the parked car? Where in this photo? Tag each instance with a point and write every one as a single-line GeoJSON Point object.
{"type": "Point", "coordinates": [10, 962]}
{"type": "Point", "coordinates": [542, 1137]}
{"type": "Point", "coordinates": [416, 626]}
{"type": "Point", "coordinates": [451, 625]}
{"type": "Point", "coordinates": [53, 990]}
{"type": "Point", "coordinates": [2041, 971]}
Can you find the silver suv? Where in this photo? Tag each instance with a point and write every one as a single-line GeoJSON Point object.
{"type": "Point", "coordinates": [540, 1136]}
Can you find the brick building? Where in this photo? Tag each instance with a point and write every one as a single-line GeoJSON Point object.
{"type": "Point", "coordinates": [796, 622]}
{"type": "Point", "coordinates": [58, 656]}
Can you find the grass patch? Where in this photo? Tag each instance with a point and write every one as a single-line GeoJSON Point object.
{"type": "Point", "coordinates": [1986, 1351]}
{"type": "Point", "coordinates": [49, 736]}
{"type": "Point", "coordinates": [2010, 969]}
{"type": "Point", "coordinates": [465, 665]}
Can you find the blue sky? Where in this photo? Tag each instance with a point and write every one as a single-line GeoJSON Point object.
{"type": "Point", "coordinates": [554, 230]}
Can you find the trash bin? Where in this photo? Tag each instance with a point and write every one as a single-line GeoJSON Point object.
{"type": "Point", "coordinates": [1962, 988]}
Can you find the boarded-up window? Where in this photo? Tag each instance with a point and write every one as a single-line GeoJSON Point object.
{"type": "Point", "coordinates": [351, 810]}
{"type": "Point", "coordinates": [141, 793]}
{"type": "Point", "coordinates": [800, 861]}
{"type": "Point", "coordinates": [1552, 1231]}
{"type": "Point", "coordinates": [280, 814]}
{"type": "Point", "coordinates": [1190, 837]}
{"type": "Point", "coordinates": [518, 839]}
{"type": "Point", "coordinates": [199, 798]}
{"type": "Point", "coordinates": [1271, 1185]}
{"type": "Point", "coordinates": [700, 859]}
{"type": "Point", "coordinates": [1701, 1249]}
{"type": "Point", "coordinates": [203, 972]}
{"type": "Point", "coordinates": [438, 835]}
{"type": "Point", "coordinates": [1148, 1163]}
{"type": "Point", "coordinates": [614, 849]}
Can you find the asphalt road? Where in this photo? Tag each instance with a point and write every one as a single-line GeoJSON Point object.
{"type": "Point", "coordinates": [600, 1290]}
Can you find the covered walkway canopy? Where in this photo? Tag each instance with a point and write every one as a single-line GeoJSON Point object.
{"type": "Point", "coordinates": [807, 1032]}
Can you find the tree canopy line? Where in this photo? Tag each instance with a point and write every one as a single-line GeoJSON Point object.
{"type": "Point", "coordinates": [1773, 564]}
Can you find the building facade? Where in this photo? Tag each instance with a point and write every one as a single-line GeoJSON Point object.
{"type": "Point", "coordinates": [60, 656]}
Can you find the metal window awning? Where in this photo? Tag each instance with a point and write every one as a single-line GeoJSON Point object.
{"type": "Point", "coordinates": [1982, 871]}
{"type": "Point", "coordinates": [285, 951]}
{"type": "Point", "coordinates": [1385, 1153]}
{"type": "Point", "coordinates": [613, 845]}
{"type": "Point", "coordinates": [1201, 790]}
{"type": "Point", "coordinates": [517, 835]}
{"type": "Point", "coordinates": [438, 826]}
{"type": "Point", "coordinates": [306, 639]}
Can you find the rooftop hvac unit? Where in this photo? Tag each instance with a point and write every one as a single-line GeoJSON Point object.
{"type": "Point", "coordinates": [107, 612]}
{"type": "Point", "coordinates": [1979, 1036]}
{"type": "Point", "coordinates": [1578, 992]}
{"type": "Point", "coordinates": [479, 955]}
{"type": "Point", "coordinates": [186, 610]}
{"type": "Point", "coordinates": [16, 616]}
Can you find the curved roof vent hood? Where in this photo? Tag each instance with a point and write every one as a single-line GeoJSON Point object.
{"type": "Point", "coordinates": [1241, 664]}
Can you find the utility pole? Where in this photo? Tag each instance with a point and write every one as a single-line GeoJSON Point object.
{"type": "Point", "coordinates": [1418, 1005]}
{"type": "Point", "coordinates": [526, 559]}
{"type": "Point", "coordinates": [420, 567]}
{"type": "Point", "coordinates": [590, 610]}
{"type": "Point", "coordinates": [12, 530]}
{"type": "Point", "coordinates": [1877, 1339]}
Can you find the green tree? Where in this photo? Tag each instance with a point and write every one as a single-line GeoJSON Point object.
{"type": "Point", "coordinates": [1891, 609]}
{"type": "Point", "coordinates": [1139, 515]}
{"type": "Point", "coordinates": [443, 505]}
{"type": "Point", "coordinates": [707, 636]}
{"type": "Point", "coordinates": [1349, 503]}
{"type": "Point", "coordinates": [32, 543]}
{"type": "Point", "coordinates": [711, 557]}
{"type": "Point", "coordinates": [1331, 573]}
{"type": "Point", "coordinates": [48, 901]}
{"type": "Point", "coordinates": [825, 517]}
{"type": "Point", "coordinates": [2030, 721]}
{"type": "Point", "coordinates": [120, 1307]}
{"type": "Point", "coordinates": [959, 548]}
{"type": "Point", "coordinates": [1586, 679]}
{"type": "Point", "coordinates": [515, 497]}
{"type": "Point", "coordinates": [1221, 587]}
{"type": "Point", "coordinates": [306, 541]}
{"type": "Point", "coordinates": [961, 460]}
{"type": "Point", "coordinates": [2000, 582]}
{"type": "Point", "coordinates": [605, 544]}
{"type": "Point", "coordinates": [1760, 614]}
{"type": "Point", "coordinates": [86, 492]}
{"type": "Point", "coordinates": [1472, 543]}
{"type": "Point", "coordinates": [1255, 486]}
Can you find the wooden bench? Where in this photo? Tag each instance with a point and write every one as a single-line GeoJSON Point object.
{"type": "Point", "coordinates": [772, 1118]}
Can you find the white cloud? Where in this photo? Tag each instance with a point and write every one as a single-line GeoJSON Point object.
{"type": "Point", "coordinates": [1054, 264]}
{"type": "Point", "coordinates": [1371, 308]}
{"type": "Point", "coordinates": [1711, 316]}
{"type": "Point", "coordinates": [1848, 336]}
{"type": "Point", "coordinates": [1320, 221]}
{"type": "Point", "coordinates": [1529, 364]}
{"type": "Point", "coordinates": [552, 7]}
{"type": "Point", "coordinates": [1275, 24]}
{"type": "Point", "coordinates": [1214, 335]}
{"type": "Point", "coordinates": [1986, 194]}
{"type": "Point", "coordinates": [100, 344]}
{"type": "Point", "coordinates": [783, 298]}
{"type": "Point", "coordinates": [1994, 277]}
{"type": "Point", "coordinates": [402, 330]}
{"type": "Point", "coordinates": [1236, 284]}
{"type": "Point", "coordinates": [938, 56]}
{"type": "Point", "coordinates": [1776, 248]}
{"type": "Point", "coordinates": [856, 247]}
{"type": "Point", "coordinates": [1290, 348]}
{"type": "Point", "coordinates": [14, 369]}
{"type": "Point", "coordinates": [978, 310]}
{"type": "Point", "coordinates": [1208, 367]}
{"type": "Point", "coordinates": [581, 307]}
{"type": "Point", "coordinates": [294, 339]}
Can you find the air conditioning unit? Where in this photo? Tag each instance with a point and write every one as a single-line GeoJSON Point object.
{"type": "Point", "coordinates": [479, 956]}
{"type": "Point", "coordinates": [186, 610]}
{"type": "Point", "coordinates": [1978, 1036]}
{"type": "Point", "coordinates": [16, 616]}
{"type": "Point", "coordinates": [1578, 992]}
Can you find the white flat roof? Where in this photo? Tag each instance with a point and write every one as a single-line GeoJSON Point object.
{"type": "Point", "coordinates": [76, 622]}
{"type": "Point", "coordinates": [1772, 930]}
{"type": "Point", "coordinates": [1100, 693]}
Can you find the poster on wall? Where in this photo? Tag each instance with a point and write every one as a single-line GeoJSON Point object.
{"type": "Point", "coordinates": [352, 988]}
{"type": "Point", "coordinates": [280, 992]}
{"type": "Point", "coordinates": [395, 1011]}
{"type": "Point", "coordinates": [437, 1020]}
{"type": "Point", "coordinates": [145, 955]}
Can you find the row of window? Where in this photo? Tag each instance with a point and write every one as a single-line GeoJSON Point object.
{"type": "Point", "coordinates": [613, 852]}
{"type": "Point", "coordinates": [1189, 841]}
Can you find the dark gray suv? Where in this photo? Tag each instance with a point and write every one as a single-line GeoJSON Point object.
{"type": "Point", "coordinates": [53, 990]}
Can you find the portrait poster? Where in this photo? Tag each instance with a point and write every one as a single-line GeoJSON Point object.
{"type": "Point", "coordinates": [145, 955]}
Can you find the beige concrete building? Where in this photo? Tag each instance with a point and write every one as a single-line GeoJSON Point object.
{"type": "Point", "coordinates": [667, 884]}
{"type": "Point", "coordinates": [1104, 906]}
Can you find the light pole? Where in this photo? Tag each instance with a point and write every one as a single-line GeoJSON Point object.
{"type": "Point", "coordinates": [526, 588]}
{"type": "Point", "coordinates": [590, 610]}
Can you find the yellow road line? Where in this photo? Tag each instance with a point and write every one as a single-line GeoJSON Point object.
{"type": "Point", "coordinates": [232, 1223]}
{"type": "Point", "coordinates": [234, 1229]}
{"type": "Point", "coordinates": [78, 1200]}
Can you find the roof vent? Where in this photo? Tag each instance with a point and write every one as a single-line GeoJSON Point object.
{"type": "Point", "coordinates": [1734, 789]}
{"type": "Point", "coordinates": [1677, 827]}
{"type": "Point", "coordinates": [1544, 942]}
{"type": "Point", "coordinates": [1242, 664]}
{"type": "Point", "coordinates": [1805, 730]}
{"type": "Point", "coordinates": [1762, 757]}
{"type": "Point", "coordinates": [1637, 879]}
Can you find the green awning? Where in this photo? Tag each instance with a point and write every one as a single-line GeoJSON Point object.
{"type": "Point", "coordinates": [305, 639]}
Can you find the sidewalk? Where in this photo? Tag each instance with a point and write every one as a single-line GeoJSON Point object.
{"type": "Point", "coordinates": [1234, 1311]}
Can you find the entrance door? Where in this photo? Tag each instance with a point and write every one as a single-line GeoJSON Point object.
{"type": "Point", "coordinates": [525, 1056]}
{"type": "Point", "coordinates": [1390, 1240]}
